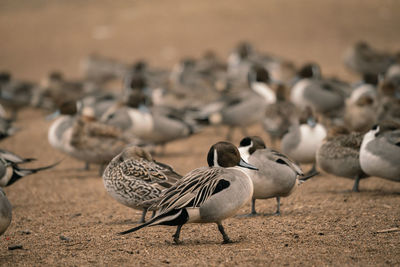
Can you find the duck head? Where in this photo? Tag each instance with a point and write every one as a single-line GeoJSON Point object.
{"type": "Point", "coordinates": [225, 154]}
{"type": "Point", "coordinates": [249, 145]}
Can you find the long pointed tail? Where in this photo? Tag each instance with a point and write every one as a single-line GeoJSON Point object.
{"type": "Point", "coordinates": [136, 228]}
{"type": "Point", "coordinates": [168, 218]}
{"type": "Point", "coordinates": [24, 172]}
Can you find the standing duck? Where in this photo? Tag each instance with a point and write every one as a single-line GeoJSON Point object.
{"type": "Point", "coordinates": [205, 195]}
{"type": "Point", "coordinates": [339, 155]}
{"type": "Point", "coordinates": [277, 175]}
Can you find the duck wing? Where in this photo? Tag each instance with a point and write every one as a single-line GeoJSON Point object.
{"type": "Point", "coordinates": [283, 159]}
{"type": "Point", "coordinates": [192, 190]}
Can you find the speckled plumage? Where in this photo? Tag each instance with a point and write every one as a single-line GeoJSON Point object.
{"type": "Point", "coordinates": [339, 155]}
{"type": "Point", "coordinates": [133, 177]}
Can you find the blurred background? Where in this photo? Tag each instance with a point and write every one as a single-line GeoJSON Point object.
{"type": "Point", "coordinates": [72, 218]}
{"type": "Point", "coordinates": [38, 35]}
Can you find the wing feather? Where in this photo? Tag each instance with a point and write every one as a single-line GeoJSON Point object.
{"type": "Point", "coordinates": [191, 191]}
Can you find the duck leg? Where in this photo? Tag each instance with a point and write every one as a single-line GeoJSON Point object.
{"type": "Point", "coordinates": [356, 184]}
{"type": "Point", "coordinates": [143, 218]}
{"type": "Point", "coordinates": [278, 206]}
{"type": "Point", "coordinates": [87, 166]}
{"type": "Point", "coordinates": [177, 234]}
{"type": "Point", "coordinates": [253, 207]}
{"type": "Point", "coordinates": [253, 210]}
{"type": "Point", "coordinates": [226, 238]}
{"type": "Point", "coordinates": [313, 169]}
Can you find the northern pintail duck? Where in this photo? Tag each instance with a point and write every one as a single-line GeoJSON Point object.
{"type": "Point", "coordinates": [380, 151]}
{"type": "Point", "coordinates": [302, 140]}
{"type": "Point", "coordinates": [361, 113]}
{"type": "Point", "coordinates": [362, 58]}
{"type": "Point", "coordinates": [133, 177]}
{"type": "Point", "coordinates": [247, 108]}
{"type": "Point", "coordinates": [6, 128]}
{"type": "Point", "coordinates": [55, 89]}
{"type": "Point", "coordinates": [205, 195]}
{"type": "Point", "coordinates": [325, 96]}
{"type": "Point", "coordinates": [389, 99]}
{"type": "Point", "coordinates": [277, 175]}
{"type": "Point", "coordinates": [11, 171]}
{"type": "Point", "coordinates": [239, 62]}
{"type": "Point", "coordinates": [244, 56]}
{"type": "Point", "coordinates": [150, 126]}
{"type": "Point", "coordinates": [86, 139]}
{"type": "Point", "coordinates": [15, 94]}
{"type": "Point", "coordinates": [5, 212]}
{"type": "Point", "coordinates": [339, 155]}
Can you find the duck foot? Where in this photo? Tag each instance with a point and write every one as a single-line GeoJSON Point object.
{"type": "Point", "coordinates": [177, 234]}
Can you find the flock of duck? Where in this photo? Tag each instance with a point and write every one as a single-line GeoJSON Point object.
{"type": "Point", "coordinates": [348, 130]}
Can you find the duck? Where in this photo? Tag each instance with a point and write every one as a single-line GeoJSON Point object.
{"type": "Point", "coordinates": [6, 128]}
{"type": "Point", "coordinates": [239, 62]}
{"type": "Point", "coordinates": [389, 100]}
{"type": "Point", "coordinates": [5, 212]}
{"type": "Point", "coordinates": [149, 126]}
{"type": "Point", "coordinates": [277, 175]}
{"type": "Point", "coordinates": [362, 106]}
{"type": "Point", "coordinates": [84, 138]}
{"type": "Point", "coordinates": [134, 177]}
{"type": "Point", "coordinates": [362, 58]}
{"type": "Point", "coordinates": [11, 171]}
{"type": "Point", "coordinates": [362, 114]}
{"type": "Point", "coordinates": [55, 89]}
{"type": "Point", "coordinates": [325, 95]}
{"type": "Point", "coordinates": [246, 108]}
{"type": "Point", "coordinates": [15, 94]}
{"type": "Point", "coordinates": [339, 155]}
{"type": "Point", "coordinates": [303, 138]}
{"type": "Point", "coordinates": [206, 194]}
{"type": "Point", "coordinates": [380, 151]}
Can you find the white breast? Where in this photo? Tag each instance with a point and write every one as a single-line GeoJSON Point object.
{"type": "Point", "coordinates": [142, 122]}
{"type": "Point", "coordinates": [373, 164]}
{"type": "Point", "coordinates": [263, 90]}
{"type": "Point", "coordinates": [296, 95]}
{"type": "Point", "coordinates": [311, 139]}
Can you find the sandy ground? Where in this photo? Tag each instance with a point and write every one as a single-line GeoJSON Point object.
{"type": "Point", "coordinates": [64, 216]}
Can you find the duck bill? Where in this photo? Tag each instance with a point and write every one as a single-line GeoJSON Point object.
{"type": "Point", "coordinates": [53, 115]}
{"type": "Point", "coordinates": [244, 164]}
{"type": "Point", "coordinates": [311, 122]}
